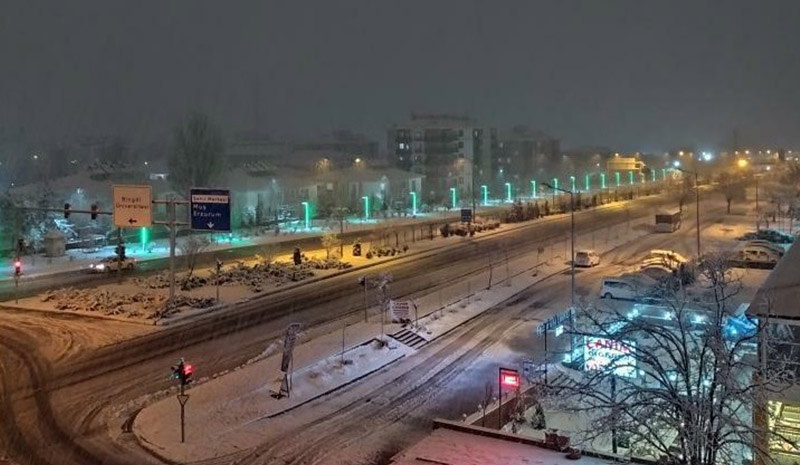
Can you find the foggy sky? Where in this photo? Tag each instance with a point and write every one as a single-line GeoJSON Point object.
{"type": "Point", "coordinates": [633, 74]}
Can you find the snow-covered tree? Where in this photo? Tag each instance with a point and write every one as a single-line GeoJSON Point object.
{"type": "Point", "coordinates": [196, 156]}
{"type": "Point", "coordinates": [190, 249]}
{"type": "Point", "coordinates": [679, 382]}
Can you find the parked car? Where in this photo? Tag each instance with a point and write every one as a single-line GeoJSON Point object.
{"type": "Point", "coordinates": [770, 235]}
{"type": "Point", "coordinates": [754, 257]}
{"type": "Point", "coordinates": [628, 287]}
{"type": "Point", "coordinates": [112, 264]}
{"type": "Point", "coordinates": [767, 245]}
{"type": "Point", "coordinates": [587, 258]}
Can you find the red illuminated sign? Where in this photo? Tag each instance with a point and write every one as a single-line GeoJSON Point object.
{"type": "Point", "coordinates": [509, 378]}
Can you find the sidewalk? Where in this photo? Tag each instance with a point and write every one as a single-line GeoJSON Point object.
{"type": "Point", "coordinates": [227, 411]}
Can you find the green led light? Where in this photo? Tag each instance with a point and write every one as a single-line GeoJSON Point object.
{"type": "Point", "coordinates": [485, 192]}
{"type": "Point", "coordinates": [366, 207]}
{"type": "Point", "coordinates": [616, 174]}
{"type": "Point", "coordinates": [144, 238]}
{"type": "Point", "coordinates": [414, 203]}
{"type": "Point", "coordinates": [533, 189]}
{"type": "Point", "coordinates": [307, 214]}
{"type": "Point", "coordinates": [603, 180]}
{"type": "Point", "coordinates": [630, 177]}
{"type": "Point", "coordinates": [453, 196]}
{"type": "Point", "coordinates": [508, 192]}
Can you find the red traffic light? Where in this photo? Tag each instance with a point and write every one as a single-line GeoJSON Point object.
{"type": "Point", "coordinates": [18, 267]}
{"type": "Point", "coordinates": [188, 370]}
{"type": "Point", "coordinates": [509, 378]}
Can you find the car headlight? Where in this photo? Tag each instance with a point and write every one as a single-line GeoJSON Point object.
{"type": "Point", "coordinates": [100, 266]}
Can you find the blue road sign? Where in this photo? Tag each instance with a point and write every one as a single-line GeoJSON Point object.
{"type": "Point", "coordinates": [211, 209]}
{"type": "Point", "coordinates": [466, 215]}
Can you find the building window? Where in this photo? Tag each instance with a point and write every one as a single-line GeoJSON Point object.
{"type": "Point", "coordinates": [460, 133]}
{"type": "Point", "coordinates": [461, 144]}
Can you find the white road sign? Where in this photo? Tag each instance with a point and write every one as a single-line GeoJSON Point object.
{"type": "Point", "coordinates": [133, 206]}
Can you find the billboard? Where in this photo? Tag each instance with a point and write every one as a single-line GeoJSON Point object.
{"type": "Point", "coordinates": [601, 353]}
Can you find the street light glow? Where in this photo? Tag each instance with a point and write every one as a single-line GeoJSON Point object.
{"type": "Point", "coordinates": [533, 189]}
{"type": "Point", "coordinates": [485, 193]}
{"type": "Point", "coordinates": [366, 207]}
{"type": "Point", "coordinates": [306, 214]}
{"type": "Point", "coordinates": [508, 192]}
{"type": "Point", "coordinates": [742, 163]}
{"type": "Point", "coordinates": [453, 196]}
{"type": "Point", "coordinates": [414, 203]}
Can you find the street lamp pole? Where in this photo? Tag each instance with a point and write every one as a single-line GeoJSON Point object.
{"type": "Point", "coordinates": [572, 240]}
{"type": "Point", "coordinates": [697, 204]}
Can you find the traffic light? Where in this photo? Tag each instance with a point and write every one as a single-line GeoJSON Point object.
{"type": "Point", "coordinates": [17, 267]}
{"type": "Point", "coordinates": [182, 372]}
{"type": "Point", "coordinates": [67, 210]}
{"type": "Point", "coordinates": [94, 211]}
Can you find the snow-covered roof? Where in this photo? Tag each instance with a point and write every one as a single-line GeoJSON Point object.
{"type": "Point", "coordinates": [447, 446]}
{"type": "Point", "coordinates": [779, 296]}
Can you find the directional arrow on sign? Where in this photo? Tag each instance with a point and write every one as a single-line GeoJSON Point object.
{"type": "Point", "coordinates": [131, 220]}
{"type": "Point", "coordinates": [210, 225]}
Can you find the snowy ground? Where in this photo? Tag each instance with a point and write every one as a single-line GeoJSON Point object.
{"type": "Point", "coordinates": [445, 446]}
{"type": "Point", "coordinates": [232, 405]}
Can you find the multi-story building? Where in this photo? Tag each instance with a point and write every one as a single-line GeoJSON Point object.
{"type": "Point", "coordinates": [524, 155]}
{"type": "Point", "coordinates": [776, 306]}
{"type": "Point", "coordinates": [451, 151]}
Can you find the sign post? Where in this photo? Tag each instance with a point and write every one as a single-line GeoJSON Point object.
{"type": "Point", "coordinates": [554, 322]}
{"type": "Point", "coordinates": [289, 339]}
{"type": "Point", "coordinates": [210, 209]}
{"type": "Point", "coordinates": [133, 206]}
{"type": "Point", "coordinates": [509, 378]}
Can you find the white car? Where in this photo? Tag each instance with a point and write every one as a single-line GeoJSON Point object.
{"type": "Point", "coordinates": [112, 264]}
{"type": "Point", "coordinates": [587, 258]}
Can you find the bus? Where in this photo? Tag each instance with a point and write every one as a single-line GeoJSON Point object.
{"type": "Point", "coordinates": [669, 221]}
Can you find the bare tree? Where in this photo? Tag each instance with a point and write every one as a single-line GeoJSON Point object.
{"type": "Point", "coordinates": [678, 382]}
{"type": "Point", "coordinates": [190, 249]}
{"type": "Point", "coordinates": [731, 187]}
{"type": "Point", "coordinates": [267, 254]}
{"type": "Point", "coordinates": [330, 241]}
{"type": "Point", "coordinates": [196, 157]}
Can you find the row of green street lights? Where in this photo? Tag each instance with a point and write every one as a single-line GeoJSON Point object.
{"type": "Point", "coordinates": [509, 196]}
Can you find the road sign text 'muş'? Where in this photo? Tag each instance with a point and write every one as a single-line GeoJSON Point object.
{"type": "Point", "coordinates": [210, 209]}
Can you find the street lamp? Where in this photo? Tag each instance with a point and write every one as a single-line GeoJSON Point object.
{"type": "Point", "coordinates": [508, 192]}
{"type": "Point", "coordinates": [366, 207]}
{"type": "Point", "coordinates": [413, 203]}
{"type": "Point", "coordinates": [453, 197]}
{"type": "Point", "coordinates": [307, 213]}
{"type": "Point", "coordinates": [603, 180]}
{"type": "Point", "coordinates": [533, 189]}
{"type": "Point", "coordinates": [572, 183]}
{"type": "Point", "coordinates": [697, 202]}
{"type": "Point", "coordinates": [586, 182]}
{"type": "Point", "coordinates": [485, 193]}
{"type": "Point", "coordinates": [572, 240]}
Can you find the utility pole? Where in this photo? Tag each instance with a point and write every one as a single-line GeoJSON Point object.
{"type": "Point", "coordinates": [572, 240]}
{"type": "Point", "coordinates": [172, 224]}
